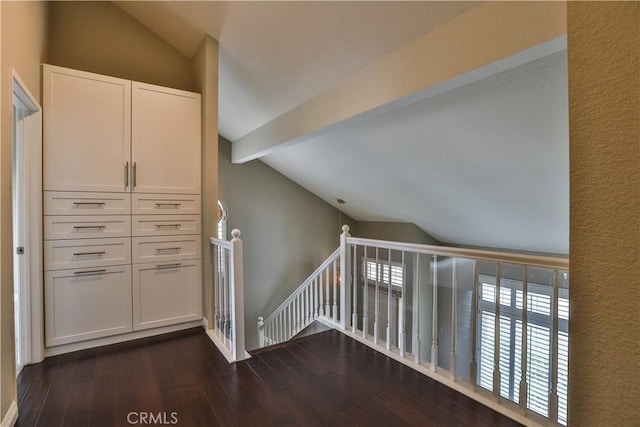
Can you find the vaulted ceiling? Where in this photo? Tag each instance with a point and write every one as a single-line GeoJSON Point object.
{"type": "Point", "coordinates": [481, 162]}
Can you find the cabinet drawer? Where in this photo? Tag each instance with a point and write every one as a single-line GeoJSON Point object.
{"type": "Point", "coordinates": [86, 227]}
{"type": "Point", "coordinates": [165, 225]}
{"type": "Point", "coordinates": [166, 293]}
{"type": "Point", "coordinates": [83, 304]}
{"type": "Point", "coordinates": [165, 248]}
{"type": "Point", "coordinates": [75, 203]}
{"type": "Point", "coordinates": [85, 253]}
{"type": "Point", "coordinates": [152, 204]}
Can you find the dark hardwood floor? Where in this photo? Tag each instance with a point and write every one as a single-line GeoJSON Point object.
{"type": "Point", "coordinates": [181, 379]}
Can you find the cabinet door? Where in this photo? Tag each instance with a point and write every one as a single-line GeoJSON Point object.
{"type": "Point", "coordinates": [87, 303]}
{"type": "Point", "coordinates": [87, 131]}
{"type": "Point", "coordinates": [166, 293]}
{"type": "Point", "coordinates": [166, 143]}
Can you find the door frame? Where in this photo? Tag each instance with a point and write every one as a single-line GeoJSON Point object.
{"type": "Point", "coordinates": [31, 292]}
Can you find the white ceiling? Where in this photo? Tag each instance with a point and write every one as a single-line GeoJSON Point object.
{"type": "Point", "coordinates": [485, 164]}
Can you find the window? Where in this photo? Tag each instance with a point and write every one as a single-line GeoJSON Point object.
{"type": "Point", "coordinates": [539, 341]}
{"type": "Point", "coordinates": [381, 271]}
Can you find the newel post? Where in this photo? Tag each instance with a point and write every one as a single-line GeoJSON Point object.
{"type": "Point", "coordinates": [345, 278]}
{"type": "Point", "coordinates": [237, 297]}
{"type": "Point", "coordinates": [260, 331]}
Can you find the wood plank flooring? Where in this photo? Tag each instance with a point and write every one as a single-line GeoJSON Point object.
{"type": "Point", "coordinates": [181, 379]}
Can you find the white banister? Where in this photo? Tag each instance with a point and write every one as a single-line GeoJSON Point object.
{"type": "Point", "coordinates": [402, 333]}
{"type": "Point", "coordinates": [335, 293]}
{"type": "Point", "coordinates": [354, 311]}
{"type": "Point", "coordinates": [227, 330]}
{"type": "Point", "coordinates": [389, 300]}
{"type": "Point", "coordinates": [434, 315]}
{"type": "Point", "coordinates": [524, 387]}
{"type": "Point", "coordinates": [345, 278]}
{"type": "Point", "coordinates": [473, 368]}
{"type": "Point", "coordinates": [492, 326]}
{"type": "Point", "coordinates": [237, 296]}
{"type": "Point", "coordinates": [553, 397]}
{"type": "Point", "coordinates": [260, 331]}
{"type": "Point", "coordinates": [302, 307]}
{"type": "Point", "coordinates": [376, 300]}
{"type": "Point", "coordinates": [496, 338]}
{"type": "Point", "coordinates": [327, 303]}
{"type": "Point", "coordinates": [365, 295]}
{"type": "Point", "coordinates": [416, 311]}
{"type": "Point", "coordinates": [454, 320]}
{"type": "Point", "coordinates": [477, 254]}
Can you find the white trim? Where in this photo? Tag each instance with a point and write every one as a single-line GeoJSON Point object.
{"type": "Point", "coordinates": [226, 352]}
{"type": "Point", "coordinates": [99, 342]}
{"type": "Point", "coordinates": [501, 257]}
{"type": "Point", "coordinates": [205, 323]}
{"type": "Point", "coordinates": [11, 416]}
{"type": "Point", "coordinates": [33, 346]}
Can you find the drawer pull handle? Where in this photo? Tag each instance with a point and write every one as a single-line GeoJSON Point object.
{"type": "Point", "coordinates": [89, 253]}
{"type": "Point", "coordinates": [99, 204]}
{"type": "Point", "coordinates": [86, 227]}
{"type": "Point", "coordinates": [89, 272]}
{"type": "Point", "coordinates": [163, 266]}
{"type": "Point", "coordinates": [168, 249]}
{"type": "Point", "coordinates": [173, 205]}
{"type": "Point", "coordinates": [176, 226]}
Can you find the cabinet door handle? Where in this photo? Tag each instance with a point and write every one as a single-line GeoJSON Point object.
{"type": "Point", "coordinates": [89, 253]}
{"type": "Point", "coordinates": [163, 266]}
{"type": "Point", "coordinates": [177, 249]}
{"type": "Point", "coordinates": [175, 205]}
{"type": "Point", "coordinates": [134, 175]}
{"type": "Point", "coordinates": [126, 175]}
{"type": "Point", "coordinates": [78, 204]}
{"type": "Point", "coordinates": [89, 272]}
{"type": "Point", "coordinates": [83, 227]}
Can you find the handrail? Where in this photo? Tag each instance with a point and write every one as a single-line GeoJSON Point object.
{"type": "Point", "coordinates": [304, 284]}
{"type": "Point", "coordinates": [226, 328]}
{"type": "Point", "coordinates": [344, 305]}
{"type": "Point", "coordinates": [222, 243]}
{"type": "Point", "coordinates": [478, 254]}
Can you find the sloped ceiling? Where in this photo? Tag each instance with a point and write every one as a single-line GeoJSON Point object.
{"type": "Point", "coordinates": [485, 164]}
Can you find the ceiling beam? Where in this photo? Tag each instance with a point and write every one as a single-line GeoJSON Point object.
{"type": "Point", "coordinates": [489, 38]}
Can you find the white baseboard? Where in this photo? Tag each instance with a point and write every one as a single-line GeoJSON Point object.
{"type": "Point", "coordinates": [205, 323]}
{"type": "Point", "coordinates": [11, 416]}
{"type": "Point", "coordinates": [68, 348]}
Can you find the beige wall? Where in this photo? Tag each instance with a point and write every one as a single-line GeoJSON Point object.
{"type": "Point", "coordinates": [24, 29]}
{"type": "Point", "coordinates": [394, 231]}
{"type": "Point", "coordinates": [205, 72]}
{"type": "Point", "coordinates": [604, 113]}
{"type": "Point", "coordinates": [286, 231]}
{"type": "Point", "coordinates": [101, 38]}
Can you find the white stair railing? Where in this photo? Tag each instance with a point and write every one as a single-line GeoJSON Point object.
{"type": "Point", "coordinates": [227, 328]}
{"type": "Point", "coordinates": [460, 317]}
{"type": "Point", "coordinates": [318, 296]}
{"type": "Point", "coordinates": [456, 315]}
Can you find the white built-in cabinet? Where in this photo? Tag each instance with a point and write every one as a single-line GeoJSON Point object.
{"type": "Point", "coordinates": [122, 206]}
